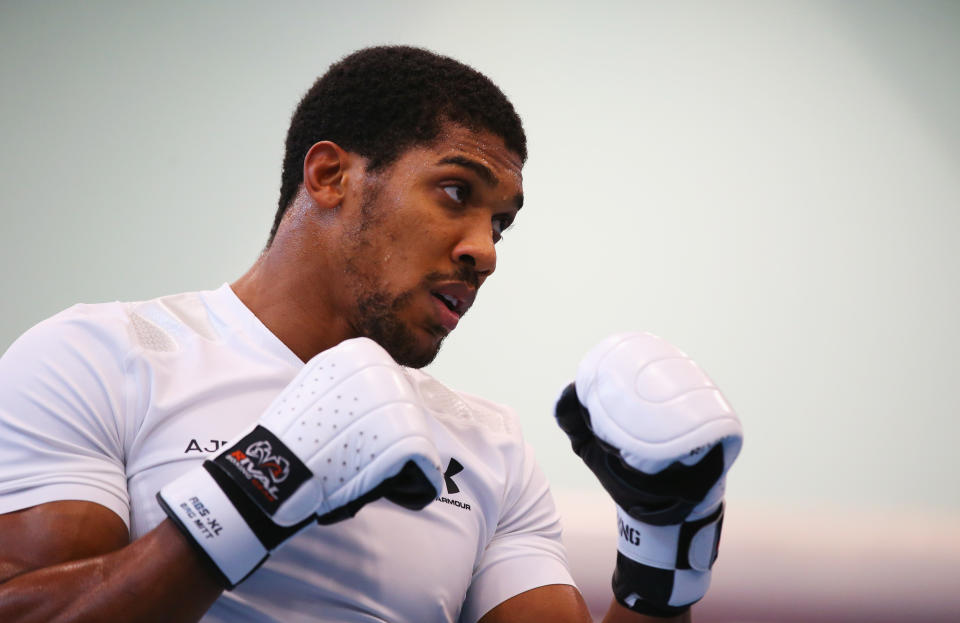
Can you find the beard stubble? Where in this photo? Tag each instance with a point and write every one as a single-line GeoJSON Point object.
{"type": "Point", "coordinates": [377, 312]}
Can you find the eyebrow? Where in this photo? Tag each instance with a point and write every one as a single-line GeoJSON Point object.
{"type": "Point", "coordinates": [482, 171]}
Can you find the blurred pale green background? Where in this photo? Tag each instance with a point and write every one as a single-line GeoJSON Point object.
{"type": "Point", "coordinates": [773, 186]}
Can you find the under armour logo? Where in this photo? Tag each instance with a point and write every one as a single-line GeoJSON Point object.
{"type": "Point", "coordinates": [453, 469]}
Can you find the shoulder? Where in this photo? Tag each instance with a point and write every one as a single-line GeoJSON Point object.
{"type": "Point", "coordinates": [84, 355]}
{"type": "Point", "coordinates": [115, 328]}
{"type": "Point", "coordinates": [81, 332]}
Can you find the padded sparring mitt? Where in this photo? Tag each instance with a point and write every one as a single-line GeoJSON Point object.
{"type": "Point", "coordinates": [347, 430]}
{"type": "Point", "coordinates": [660, 437]}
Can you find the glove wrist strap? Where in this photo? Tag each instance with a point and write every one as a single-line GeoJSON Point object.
{"type": "Point", "coordinates": [661, 569]}
{"type": "Point", "coordinates": [205, 514]}
{"type": "Point", "coordinates": [688, 545]}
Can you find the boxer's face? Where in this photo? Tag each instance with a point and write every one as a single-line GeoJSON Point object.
{"type": "Point", "coordinates": [422, 241]}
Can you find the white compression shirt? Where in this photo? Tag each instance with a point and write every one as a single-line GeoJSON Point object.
{"type": "Point", "coordinates": [107, 403]}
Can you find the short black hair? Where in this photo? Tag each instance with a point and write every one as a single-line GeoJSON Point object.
{"type": "Point", "coordinates": [380, 101]}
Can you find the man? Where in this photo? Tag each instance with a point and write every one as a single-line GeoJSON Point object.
{"type": "Point", "coordinates": [402, 171]}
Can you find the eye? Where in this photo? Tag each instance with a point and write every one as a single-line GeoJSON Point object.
{"type": "Point", "coordinates": [500, 224]}
{"type": "Point", "coordinates": [457, 192]}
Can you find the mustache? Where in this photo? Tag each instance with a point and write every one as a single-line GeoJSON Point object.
{"type": "Point", "coordinates": [466, 274]}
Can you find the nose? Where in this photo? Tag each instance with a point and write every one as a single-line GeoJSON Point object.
{"type": "Point", "coordinates": [476, 249]}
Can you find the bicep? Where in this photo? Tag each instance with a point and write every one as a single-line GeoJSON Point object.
{"type": "Point", "coordinates": [57, 532]}
{"type": "Point", "coordinates": [559, 603]}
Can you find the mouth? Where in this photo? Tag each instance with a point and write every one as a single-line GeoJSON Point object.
{"type": "Point", "coordinates": [452, 303]}
{"type": "Point", "coordinates": [454, 298]}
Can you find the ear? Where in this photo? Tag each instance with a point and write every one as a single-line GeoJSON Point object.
{"type": "Point", "coordinates": [325, 170]}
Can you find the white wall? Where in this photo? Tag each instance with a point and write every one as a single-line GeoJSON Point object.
{"type": "Point", "coordinates": [773, 186]}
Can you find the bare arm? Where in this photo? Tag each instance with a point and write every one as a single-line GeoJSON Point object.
{"type": "Point", "coordinates": [562, 603]}
{"type": "Point", "coordinates": [618, 614]}
{"type": "Point", "coordinates": [71, 561]}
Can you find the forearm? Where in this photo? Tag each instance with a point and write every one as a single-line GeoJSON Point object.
{"type": "Point", "coordinates": [158, 577]}
{"type": "Point", "coordinates": [618, 614]}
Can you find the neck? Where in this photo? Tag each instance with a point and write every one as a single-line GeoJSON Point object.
{"type": "Point", "coordinates": [296, 305]}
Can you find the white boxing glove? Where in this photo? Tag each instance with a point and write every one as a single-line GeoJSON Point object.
{"type": "Point", "coordinates": [660, 437]}
{"type": "Point", "coordinates": [347, 430]}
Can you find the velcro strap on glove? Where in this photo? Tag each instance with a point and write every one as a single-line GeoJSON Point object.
{"type": "Point", "coordinates": [203, 511]}
{"type": "Point", "coordinates": [668, 566]}
{"type": "Point", "coordinates": [689, 545]}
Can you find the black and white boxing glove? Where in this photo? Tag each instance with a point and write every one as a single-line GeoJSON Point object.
{"type": "Point", "coordinates": [660, 437]}
{"type": "Point", "coordinates": [347, 430]}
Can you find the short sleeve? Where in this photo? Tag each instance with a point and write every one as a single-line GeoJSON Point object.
{"type": "Point", "coordinates": [61, 398]}
{"type": "Point", "coordinates": [526, 551]}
